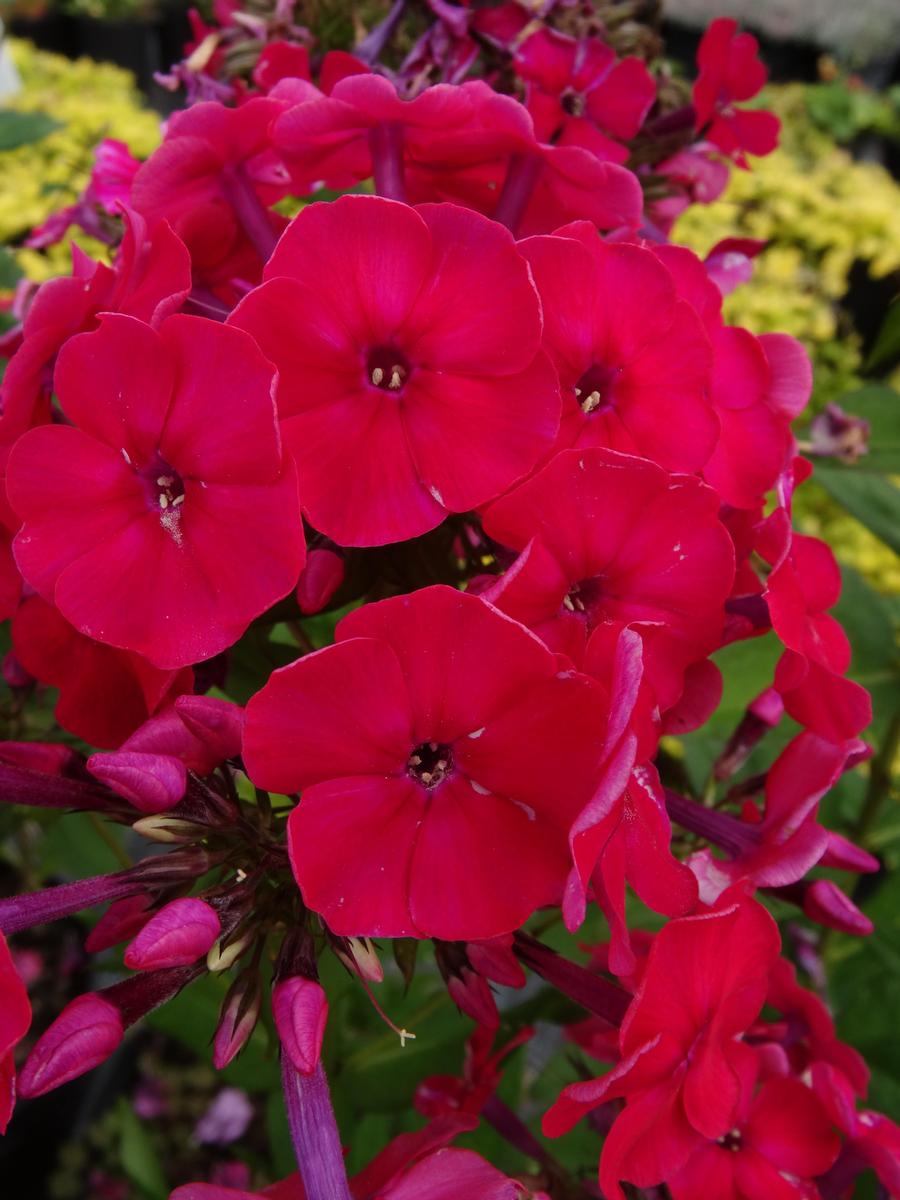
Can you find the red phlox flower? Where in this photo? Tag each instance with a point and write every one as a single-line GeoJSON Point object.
{"type": "Point", "coordinates": [104, 693]}
{"type": "Point", "coordinates": [633, 360]}
{"type": "Point", "coordinates": [481, 1076]}
{"type": "Point", "coordinates": [15, 1019]}
{"type": "Point", "coordinates": [696, 175]}
{"type": "Point", "coordinates": [780, 845]}
{"type": "Point", "coordinates": [281, 60]}
{"type": "Point", "coordinates": [108, 188]}
{"type": "Point", "coordinates": [214, 178]}
{"type": "Point", "coordinates": [729, 70]}
{"type": "Point", "coordinates": [759, 385]}
{"type": "Point", "coordinates": [704, 984]}
{"type": "Point", "coordinates": [405, 390]}
{"type": "Point", "coordinates": [781, 1139]}
{"type": "Point", "coordinates": [581, 94]}
{"type": "Point", "coordinates": [610, 538]}
{"type": "Point", "coordinates": [477, 752]}
{"type": "Point", "coordinates": [871, 1139]}
{"type": "Point", "coordinates": [164, 519]}
{"type": "Point", "coordinates": [730, 262]}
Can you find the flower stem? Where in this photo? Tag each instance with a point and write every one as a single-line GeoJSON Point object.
{"type": "Point", "coordinates": [386, 147]}
{"type": "Point", "coordinates": [314, 1131]}
{"type": "Point", "coordinates": [593, 992]}
{"type": "Point", "coordinates": [251, 212]}
{"type": "Point", "coordinates": [521, 176]}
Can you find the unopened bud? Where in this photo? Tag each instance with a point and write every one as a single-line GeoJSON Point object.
{"type": "Point", "coordinates": [359, 956]}
{"type": "Point", "coordinates": [169, 830]}
{"type": "Point", "coordinates": [85, 1034]}
{"type": "Point", "coordinates": [218, 724]}
{"type": "Point", "coordinates": [300, 1008]}
{"type": "Point", "coordinates": [473, 995]}
{"type": "Point", "coordinates": [223, 957]}
{"type": "Point", "coordinates": [823, 901]}
{"type": "Point", "coordinates": [845, 856]}
{"type": "Point", "coordinates": [495, 960]}
{"type": "Point", "coordinates": [238, 1018]}
{"type": "Point", "coordinates": [153, 783]}
{"type": "Point", "coordinates": [122, 920]}
{"type": "Point", "coordinates": [179, 934]}
{"type": "Point", "coordinates": [319, 579]}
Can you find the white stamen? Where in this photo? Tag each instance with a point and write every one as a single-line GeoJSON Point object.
{"type": "Point", "coordinates": [577, 392]}
{"type": "Point", "coordinates": [163, 500]}
{"type": "Point", "coordinates": [377, 376]}
{"type": "Point", "coordinates": [178, 500]}
{"type": "Point", "coordinates": [165, 480]}
{"type": "Point", "coordinates": [396, 380]}
{"type": "Point", "coordinates": [592, 402]}
{"type": "Point", "coordinates": [567, 603]}
{"type": "Point", "coordinates": [406, 1036]}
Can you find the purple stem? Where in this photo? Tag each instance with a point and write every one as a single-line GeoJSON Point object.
{"type": "Point", "coordinates": [386, 148]}
{"type": "Point", "coordinates": [370, 48]}
{"type": "Point", "coordinates": [521, 176]}
{"type": "Point", "coordinates": [251, 212]}
{"type": "Point", "coordinates": [53, 903]}
{"type": "Point", "coordinates": [727, 832]}
{"type": "Point", "coordinates": [513, 1129]}
{"type": "Point", "coordinates": [20, 785]}
{"type": "Point", "coordinates": [314, 1131]}
{"type": "Point", "coordinates": [142, 993]}
{"type": "Point", "coordinates": [593, 992]}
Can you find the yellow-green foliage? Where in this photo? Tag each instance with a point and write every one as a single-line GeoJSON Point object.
{"type": "Point", "coordinates": [93, 100]}
{"type": "Point", "coordinates": [819, 210]}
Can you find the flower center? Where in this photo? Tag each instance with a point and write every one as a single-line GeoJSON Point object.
{"type": "Point", "coordinates": [731, 1140]}
{"type": "Point", "coordinates": [585, 597]}
{"type": "Point", "coordinates": [594, 389]}
{"type": "Point", "coordinates": [387, 368]}
{"type": "Point", "coordinates": [430, 763]}
{"type": "Point", "coordinates": [164, 489]}
{"type": "Point", "coordinates": [573, 103]}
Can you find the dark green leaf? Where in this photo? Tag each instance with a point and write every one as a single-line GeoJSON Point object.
{"type": "Point", "coordinates": [139, 1156]}
{"type": "Point", "coordinates": [887, 344]}
{"type": "Point", "coordinates": [22, 128]}
{"type": "Point", "coordinates": [405, 951]}
{"type": "Point", "coordinates": [9, 269]}
{"type": "Point", "coordinates": [872, 499]}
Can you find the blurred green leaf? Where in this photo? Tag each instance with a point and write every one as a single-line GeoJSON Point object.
{"type": "Point", "coordinates": [21, 128]}
{"type": "Point", "coordinates": [887, 344]}
{"type": "Point", "coordinates": [870, 498]}
{"type": "Point", "coordinates": [10, 274]}
{"type": "Point", "coordinates": [139, 1156]}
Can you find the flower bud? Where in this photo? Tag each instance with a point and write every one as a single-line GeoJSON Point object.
{"type": "Point", "coordinates": [169, 830]}
{"type": "Point", "coordinates": [471, 993]}
{"type": "Point", "coordinates": [177, 935]}
{"type": "Point", "coordinates": [216, 723]}
{"type": "Point", "coordinates": [823, 901]}
{"type": "Point", "coordinates": [122, 920]}
{"type": "Point", "coordinates": [845, 856]}
{"type": "Point", "coordinates": [238, 1018]}
{"type": "Point", "coordinates": [153, 783]}
{"type": "Point", "coordinates": [319, 579]}
{"type": "Point", "coordinates": [495, 960]}
{"type": "Point", "coordinates": [358, 956]}
{"type": "Point", "coordinates": [222, 957]}
{"type": "Point", "coordinates": [300, 1008]}
{"type": "Point", "coordinates": [85, 1034]}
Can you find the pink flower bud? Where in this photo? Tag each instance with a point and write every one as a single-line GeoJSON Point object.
{"type": "Point", "coordinates": [823, 901]}
{"type": "Point", "coordinates": [177, 935]}
{"type": "Point", "coordinates": [319, 579]}
{"type": "Point", "coordinates": [47, 757]}
{"type": "Point", "coordinates": [216, 723]}
{"type": "Point", "coordinates": [471, 993]}
{"type": "Point", "coordinates": [153, 783]}
{"type": "Point", "coordinates": [495, 960]}
{"type": "Point", "coordinates": [300, 1007]}
{"type": "Point", "coordinates": [845, 856]}
{"type": "Point", "coordinates": [122, 920]}
{"type": "Point", "coordinates": [85, 1034]}
{"type": "Point", "coordinates": [238, 1018]}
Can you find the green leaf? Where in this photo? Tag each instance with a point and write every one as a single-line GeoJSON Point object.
{"type": "Point", "coordinates": [887, 344]}
{"type": "Point", "coordinates": [22, 128]}
{"type": "Point", "coordinates": [139, 1156]}
{"type": "Point", "coordinates": [10, 274]}
{"type": "Point", "coordinates": [880, 406]}
{"type": "Point", "coordinates": [872, 499]}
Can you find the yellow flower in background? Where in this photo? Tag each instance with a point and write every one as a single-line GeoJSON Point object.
{"type": "Point", "coordinates": [93, 101]}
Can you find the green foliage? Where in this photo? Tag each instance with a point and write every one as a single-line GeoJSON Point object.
{"type": "Point", "coordinates": [22, 128]}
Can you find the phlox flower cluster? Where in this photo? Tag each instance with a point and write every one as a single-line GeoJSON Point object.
{"type": "Point", "coordinates": [386, 351]}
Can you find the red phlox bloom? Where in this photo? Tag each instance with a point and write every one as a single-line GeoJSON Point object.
{"type": "Point", "coordinates": [871, 1139]}
{"type": "Point", "coordinates": [610, 538]}
{"type": "Point", "coordinates": [633, 360]}
{"type": "Point", "coordinates": [581, 94]}
{"type": "Point", "coordinates": [405, 390]}
{"type": "Point", "coordinates": [481, 1076]}
{"type": "Point", "coordinates": [697, 175]}
{"type": "Point", "coordinates": [759, 385]}
{"type": "Point", "coordinates": [105, 694]}
{"type": "Point", "coordinates": [785, 841]}
{"type": "Point", "coordinates": [438, 742]}
{"type": "Point", "coordinates": [15, 1019]}
{"type": "Point", "coordinates": [704, 984]}
{"type": "Point", "coordinates": [281, 60]}
{"type": "Point", "coordinates": [164, 519]}
{"type": "Point", "coordinates": [781, 1139]}
{"type": "Point", "coordinates": [729, 71]}
{"type": "Point", "coordinates": [214, 178]}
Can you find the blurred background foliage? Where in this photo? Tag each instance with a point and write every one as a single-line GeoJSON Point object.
{"type": "Point", "coordinates": [830, 275]}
